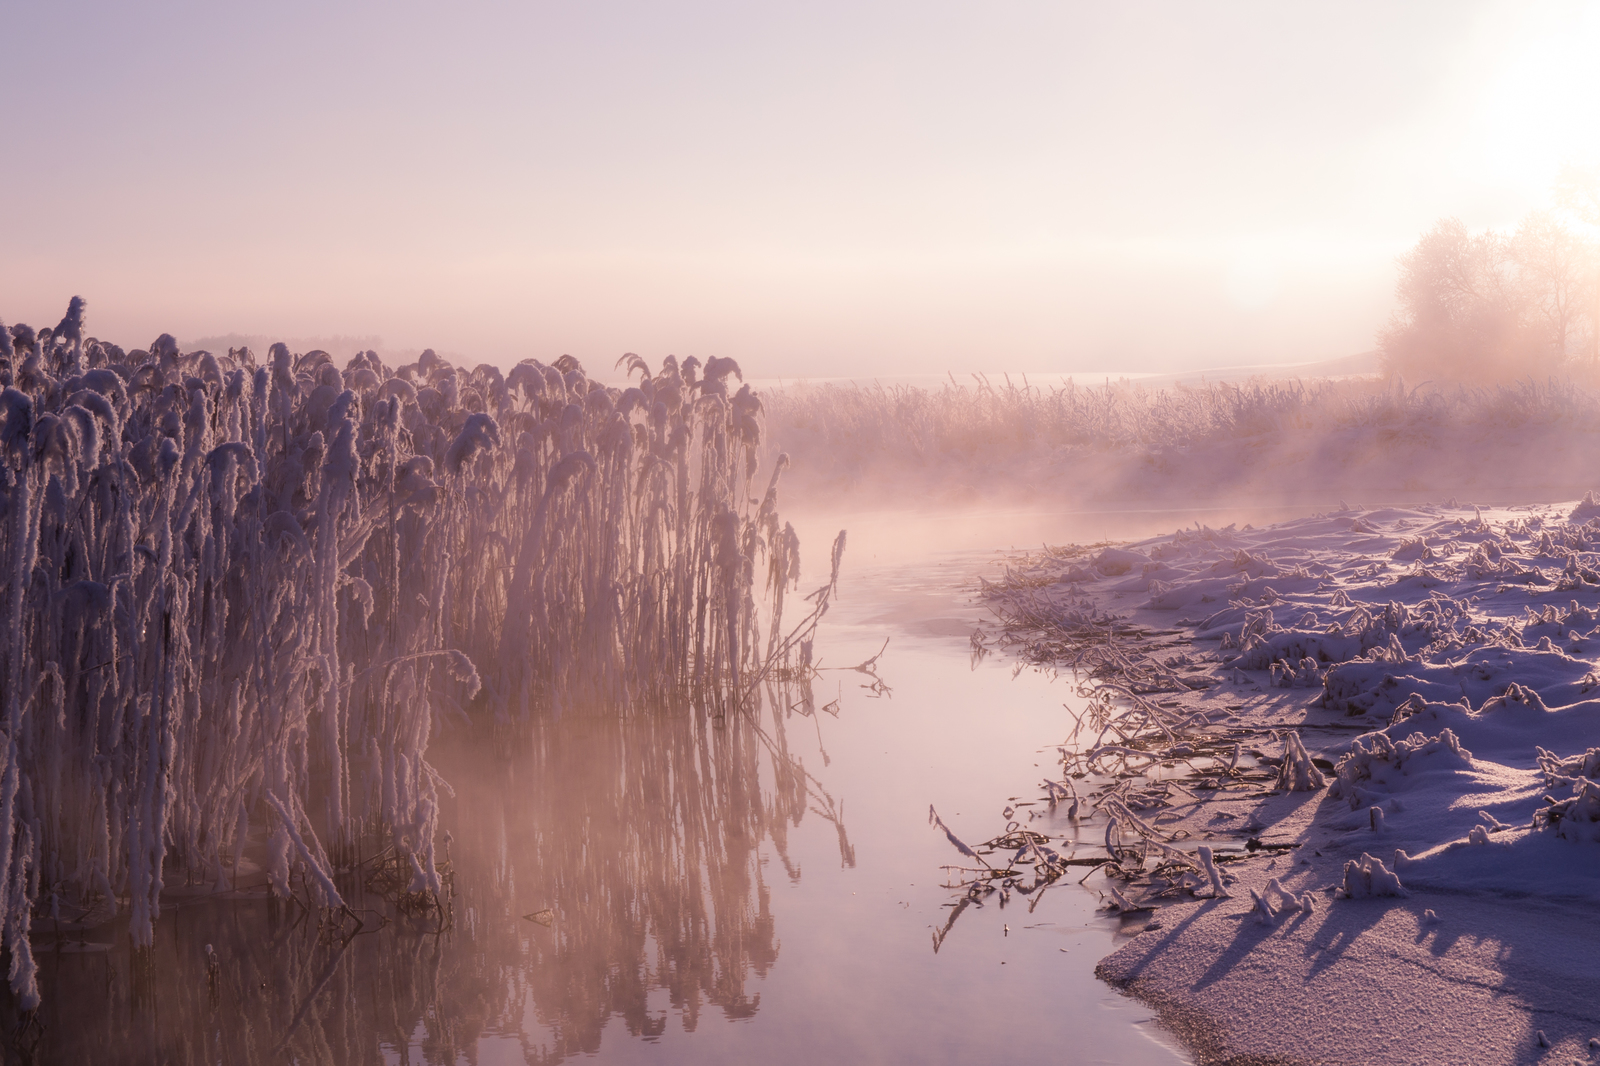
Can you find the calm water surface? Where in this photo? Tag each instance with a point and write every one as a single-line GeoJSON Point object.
{"type": "Point", "coordinates": [661, 890]}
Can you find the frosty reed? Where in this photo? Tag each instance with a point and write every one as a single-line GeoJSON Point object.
{"type": "Point", "coordinates": [238, 598]}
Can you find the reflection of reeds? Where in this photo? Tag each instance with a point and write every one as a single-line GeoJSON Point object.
{"type": "Point", "coordinates": [236, 600]}
{"type": "Point", "coordinates": [641, 838]}
{"type": "Point", "coordinates": [596, 859]}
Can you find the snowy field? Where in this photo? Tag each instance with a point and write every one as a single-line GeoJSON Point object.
{"type": "Point", "coordinates": [1349, 761]}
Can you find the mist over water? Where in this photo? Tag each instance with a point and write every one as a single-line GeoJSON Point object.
{"type": "Point", "coordinates": [1234, 448]}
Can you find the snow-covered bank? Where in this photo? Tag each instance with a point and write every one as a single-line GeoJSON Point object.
{"type": "Point", "coordinates": [1432, 857]}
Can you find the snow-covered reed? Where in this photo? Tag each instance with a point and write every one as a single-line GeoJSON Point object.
{"type": "Point", "coordinates": [238, 598]}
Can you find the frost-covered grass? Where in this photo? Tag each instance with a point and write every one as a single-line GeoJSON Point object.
{"type": "Point", "coordinates": [1276, 439]}
{"type": "Point", "coordinates": [239, 598]}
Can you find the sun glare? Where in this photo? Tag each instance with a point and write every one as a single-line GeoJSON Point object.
{"type": "Point", "coordinates": [1541, 108]}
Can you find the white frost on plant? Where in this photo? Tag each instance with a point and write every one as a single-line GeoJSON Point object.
{"type": "Point", "coordinates": [955, 841]}
{"type": "Point", "coordinates": [1274, 903]}
{"type": "Point", "coordinates": [238, 600]}
{"type": "Point", "coordinates": [1297, 773]}
{"type": "Point", "coordinates": [1368, 877]}
{"type": "Point", "coordinates": [1374, 759]}
{"type": "Point", "coordinates": [1576, 817]}
{"type": "Point", "coordinates": [1208, 866]}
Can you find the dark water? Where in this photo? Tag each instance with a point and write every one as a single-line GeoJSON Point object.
{"type": "Point", "coordinates": [661, 889]}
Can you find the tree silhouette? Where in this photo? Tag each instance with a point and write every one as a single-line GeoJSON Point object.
{"type": "Point", "coordinates": [1494, 307]}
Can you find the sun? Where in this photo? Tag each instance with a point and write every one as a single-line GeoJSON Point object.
{"type": "Point", "coordinates": [1539, 106]}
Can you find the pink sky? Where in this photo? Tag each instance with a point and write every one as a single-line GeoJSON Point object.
{"type": "Point", "coordinates": [822, 188]}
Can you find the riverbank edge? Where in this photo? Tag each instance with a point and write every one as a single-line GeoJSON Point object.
{"type": "Point", "coordinates": [1433, 976]}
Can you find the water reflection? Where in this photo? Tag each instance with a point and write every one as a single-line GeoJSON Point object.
{"type": "Point", "coordinates": [602, 868]}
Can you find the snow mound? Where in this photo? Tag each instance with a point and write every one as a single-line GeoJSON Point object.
{"type": "Point", "coordinates": [1376, 761]}
{"type": "Point", "coordinates": [1575, 818]}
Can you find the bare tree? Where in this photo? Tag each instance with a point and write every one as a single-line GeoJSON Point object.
{"type": "Point", "coordinates": [1491, 307]}
{"type": "Point", "coordinates": [1556, 275]}
{"type": "Point", "coordinates": [1577, 194]}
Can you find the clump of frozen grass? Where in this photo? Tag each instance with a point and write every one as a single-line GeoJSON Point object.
{"type": "Point", "coordinates": [1577, 817]}
{"type": "Point", "coordinates": [1297, 773]}
{"type": "Point", "coordinates": [1557, 769]}
{"type": "Point", "coordinates": [1377, 757]}
{"type": "Point", "coordinates": [238, 598]}
{"type": "Point", "coordinates": [1274, 903]}
{"type": "Point", "coordinates": [1368, 877]}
